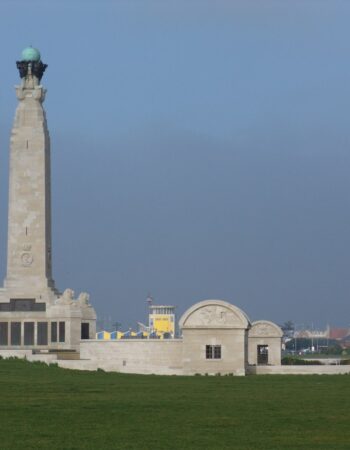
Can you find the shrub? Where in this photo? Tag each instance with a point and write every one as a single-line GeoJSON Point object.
{"type": "Point", "coordinates": [292, 361]}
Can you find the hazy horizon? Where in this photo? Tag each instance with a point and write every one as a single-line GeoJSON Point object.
{"type": "Point", "coordinates": [199, 150]}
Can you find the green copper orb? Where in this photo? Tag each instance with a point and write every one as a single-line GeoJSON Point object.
{"type": "Point", "coordinates": [30, 54]}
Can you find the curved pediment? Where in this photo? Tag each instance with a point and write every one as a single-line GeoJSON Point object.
{"type": "Point", "coordinates": [214, 314]}
{"type": "Point", "coordinates": [265, 328]}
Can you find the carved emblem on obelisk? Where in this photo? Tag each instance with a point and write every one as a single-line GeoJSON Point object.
{"type": "Point", "coordinates": [27, 259]}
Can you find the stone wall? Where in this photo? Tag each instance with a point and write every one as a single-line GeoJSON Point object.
{"type": "Point", "coordinates": [162, 357]}
{"type": "Point", "coordinates": [232, 343]}
{"type": "Point", "coordinates": [298, 370]}
{"type": "Point", "coordinates": [28, 355]}
{"type": "Point", "coordinates": [145, 356]}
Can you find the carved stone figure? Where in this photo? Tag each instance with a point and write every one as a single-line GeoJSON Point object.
{"type": "Point", "coordinates": [67, 297]}
{"type": "Point", "coordinates": [212, 316]}
{"type": "Point", "coordinates": [36, 68]}
{"type": "Point", "coordinates": [263, 329]}
{"type": "Point", "coordinates": [83, 299]}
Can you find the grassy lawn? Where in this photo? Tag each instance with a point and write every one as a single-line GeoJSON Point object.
{"type": "Point", "coordinates": [51, 408]}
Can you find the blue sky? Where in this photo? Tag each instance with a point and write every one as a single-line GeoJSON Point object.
{"type": "Point", "coordinates": [200, 150]}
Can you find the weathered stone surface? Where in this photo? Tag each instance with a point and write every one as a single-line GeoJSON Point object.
{"type": "Point", "coordinates": [29, 219]}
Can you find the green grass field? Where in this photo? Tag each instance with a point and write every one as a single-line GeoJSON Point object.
{"type": "Point", "coordinates": [51, 408]}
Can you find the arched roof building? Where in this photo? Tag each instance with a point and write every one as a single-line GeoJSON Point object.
{"type": "Point", "coordinates": [218, 337]}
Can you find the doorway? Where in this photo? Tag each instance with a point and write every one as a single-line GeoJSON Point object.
{"type": "Point", "coordinates": [263, 355]}
{"type": "Point", "coordinates": [85, 331]}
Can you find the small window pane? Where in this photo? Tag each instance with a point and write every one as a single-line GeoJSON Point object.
{"type": "Point", "coordinates": [62, 331]}
{"type": "Point", "coordinates": [42, 333]}
{"type": "Point", "coordinates": [213, 351]}
{"type": "Point", "coordinates": [15, 333]}
{"type": "Point", "coordinates": [28, 333]}
{"type": "Point", "coordinates": [4, 333]}
{"type": "Point", "coordinates": [217, 351]}
{"type": "Point", "coordinates": [53, 331]}
{"type": "Point", "coordinates": [209, 352]}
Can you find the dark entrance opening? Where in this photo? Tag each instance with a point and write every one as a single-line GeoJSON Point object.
{"type": "Point", "coordinates": [62, 331]}
{"type": "Point", "coordinates": [263, 354]}
{"type": "Point", "coordinates": [28, 333]}
{"type": "Point", "coordinates": [53, 331]}
{"type": "Point", "coordinates": [4, 328]}
{"type": "Point", "coordinates": [15, 333]}
{"type": "Point", "coordinates": [85, 331]}
{"type": "Point", "coordinates": [42, 333]}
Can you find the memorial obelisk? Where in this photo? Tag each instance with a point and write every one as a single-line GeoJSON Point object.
{"type": "Point", "coordinates": [33, 314]}
{"type": "Point", "coordinates": [29, 218]}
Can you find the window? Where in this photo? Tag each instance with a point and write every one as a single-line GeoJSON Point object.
{"type": "Point", "coordinates": [28, 333]}
{"type": "Point", "coordinates": [15, 333]}
{"type": "Point", "coordinates": [213, 351]}
{"type": "Point", "coordinates": [53, 331]}
{"type": "Point", "coordinates": [22, 304]}
{"type": "Point", "coordinates": [62, 331]}
{"type": "Point", "coordinates": [4, 333]}
{"type": "Point", "coordinates": [42, 333]}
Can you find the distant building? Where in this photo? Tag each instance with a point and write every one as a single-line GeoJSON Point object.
{"type": "Point", "coordinates": [338, 333]}
{"type": "Point", "coordinates": [162, 320]}
{"type": "Point", "coordinates": [311, 334]}
{"type": "Point", "coordinates": [331, 333]}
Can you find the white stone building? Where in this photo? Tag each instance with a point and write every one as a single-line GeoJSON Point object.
{"type": "Point", "coordinates": [216, 336]}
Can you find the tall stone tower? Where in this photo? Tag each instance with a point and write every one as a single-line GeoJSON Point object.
{"type": "Point", "coordinates": [29, 219]}
{"type": "Point", "coordinates": [33, 314]}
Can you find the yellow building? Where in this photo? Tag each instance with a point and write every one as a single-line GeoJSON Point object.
{"type": "Point", "coordinates": [162, 320]}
